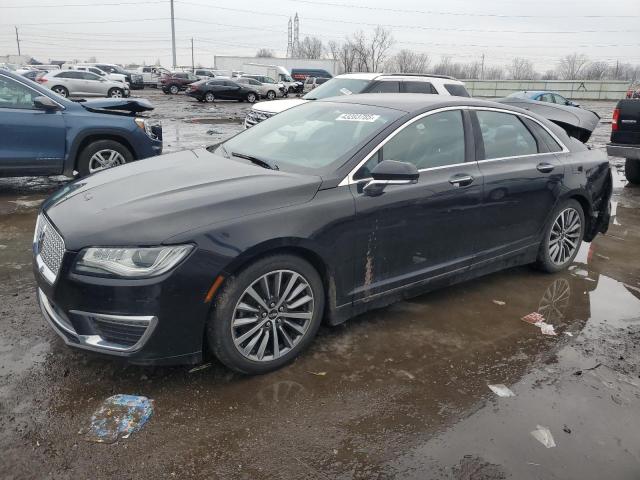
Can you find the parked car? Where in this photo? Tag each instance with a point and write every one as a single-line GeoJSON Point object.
{"type": "Point", "coordinates": [625, 137]}
{"type": "Point", "coordinates": [312, 82]}
{"type": "Point", "coordinates": [221, 89]}
{"type": "Point", "coordinates": [46, 134]}
{"type": "Point", "coordinates": [578, 122]}
{"type": "Point", "coordinates": [204, 74]}
{"type": "Point", "coordinates": [351, 83]}
{"type": "Point", "coordinates": [633, 91]}
{"type": "Point", "coordinates": [117, 77]}
{"type": "Point", "coordinates": [262, 88]}
{"type": "Point", "coordinates": [235, 245]}
{"type": "Point", "coordinates": [301, 74]}
{"type": "Point", "coordinates": [176, 82]}
{"type": "Point", "coordinates": [274, 89]}
{"type": "Point", "coordinates": [32, 74]}
{"type": "Point", "coordinates": [74, 83]}
{"type": "Point", "coordinates": [134, 79]}
{"type": "Point", "coordinates": [151, 75]}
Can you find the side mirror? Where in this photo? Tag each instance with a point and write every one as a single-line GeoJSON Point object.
{"type": "Point", "coordinates": [390, 172]}
{"type": "Point", "coordinates": [45, 103]}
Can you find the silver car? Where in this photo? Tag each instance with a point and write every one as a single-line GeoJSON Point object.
{"type": "Point", "coordinates": [76, 83]}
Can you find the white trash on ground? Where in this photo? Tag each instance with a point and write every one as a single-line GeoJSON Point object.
{"type": "Point", "coordinates": [543, 435]}
{"type": "Point", "coordinates": [501, 390]}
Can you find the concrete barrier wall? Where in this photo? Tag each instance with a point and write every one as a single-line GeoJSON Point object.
{"type": "Point", "coordinates": [574, 89]}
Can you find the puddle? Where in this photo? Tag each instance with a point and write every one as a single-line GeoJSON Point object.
{"type": "Point", "coordinates": [215, 121]}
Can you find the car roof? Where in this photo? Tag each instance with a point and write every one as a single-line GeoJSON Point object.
{"type": "Point", "coordinates": [401, 76]}
{"type": "Point", "coordinates": [413, 102]}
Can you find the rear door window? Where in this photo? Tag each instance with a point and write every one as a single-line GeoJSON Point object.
{"type": "Point", "coordinates": [456, 90]}
{"type": "Point", "coordinates": [549, 144]}
{"type": "Point", "coordinates": [418, 87]}
{"type": "Point", "coordinates": [385, 87]}
{"type": "Point", "coordinates": [504, 135]}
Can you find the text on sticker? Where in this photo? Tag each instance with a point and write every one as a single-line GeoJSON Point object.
{"type": "Point", "coordinates": [357, 117]}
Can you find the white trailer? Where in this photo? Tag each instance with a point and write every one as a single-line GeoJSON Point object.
{"type": "Point", "coordinates": [226, 62]}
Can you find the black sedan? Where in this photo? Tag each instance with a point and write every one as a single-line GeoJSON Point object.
{"type": "Point", "coordinates": [320, 213]}
{"type": "Point", "coordinates": [221, 89]}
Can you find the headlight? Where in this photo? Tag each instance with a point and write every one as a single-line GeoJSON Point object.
{"type": "Point", "coordinates": [130, 262]}
{"type": "Point", "coordinates": [148, 129]}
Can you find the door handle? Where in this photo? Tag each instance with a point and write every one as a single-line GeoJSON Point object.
{"type": "Point", "coordinates": [545, 167]}
{"type": "Point", "coordinates": [461, 180]}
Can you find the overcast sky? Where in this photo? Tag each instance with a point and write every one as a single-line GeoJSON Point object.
{"type": "Point", "coordinates": [124, 31]}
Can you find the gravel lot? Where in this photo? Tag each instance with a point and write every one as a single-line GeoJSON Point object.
{"type": "Point", "coordinates": [400, 392]}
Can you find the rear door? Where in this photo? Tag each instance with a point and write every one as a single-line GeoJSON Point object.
{"type": "Point", "coordinates": [523, 177]}
{"type": "Point", "coordinates": [32, 140]}
{"type": "Point", "coordinates": [93, 84]}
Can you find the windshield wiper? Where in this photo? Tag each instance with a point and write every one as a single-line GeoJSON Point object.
{"type": "Point", "coordinates": [257, 161]}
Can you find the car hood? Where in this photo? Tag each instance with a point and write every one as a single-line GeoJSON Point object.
{"type": "Point", "coordinates": [278, 106]}
{"type": "Point", "coordinates": [149, 201]}
{"type": "Point", "coordinates": [118, 104]}
{"type": "Point", "coordinates": [559, 114]}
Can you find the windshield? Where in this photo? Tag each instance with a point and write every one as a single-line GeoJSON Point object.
{"type": "Point", "coordinates": [312, 136]}
{"type": "Point", "coordinates": [336, 87]}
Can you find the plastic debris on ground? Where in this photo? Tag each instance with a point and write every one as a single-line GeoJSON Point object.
{"type": "Point", "coordinates": [501, 390]}
{"type": "Point", "coordinates": [318, 374]}
{"type": "Point", "coordinates": [197, 368]}
{"type": "Point", "coordinates": [499, 302]}
{"type": "Point", "coordinates": [538, 320]}
{"type": "Point", "coordinates": [543, 435]}
{"type": "Point", "coordinates": [118, 417]}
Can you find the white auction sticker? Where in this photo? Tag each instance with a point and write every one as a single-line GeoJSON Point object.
{"type": "Point", "coordinates": [357, 117]}
{"type": "Point", "coordinates": [345, 91]}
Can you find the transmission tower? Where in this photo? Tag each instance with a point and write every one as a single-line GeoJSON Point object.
{"type": "Point", "coordinates": [296, 35]}
{"type": "Point", "coordinates": [289, 40]}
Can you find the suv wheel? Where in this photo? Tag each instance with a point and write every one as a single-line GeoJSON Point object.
{"type": "Point", "coordinates": [271, 95]}
{"type": "Point", "coordinates": [102, 154]}
{"type": "Point", "coordinates": [209, 97]}
{"type": "Point", "coordinates": [266, 314]}
{"type": "Point", "coordinates": [632, 170]}
{"type": "Point", "coordinates": [60, 90]}
{"type": "Point", "coordinates": [173, 89]}
{"type": "Point", "coordinates": [115, 93]}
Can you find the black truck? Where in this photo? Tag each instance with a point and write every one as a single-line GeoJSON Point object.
{"type": "Point", "coordinates": [625, 137]}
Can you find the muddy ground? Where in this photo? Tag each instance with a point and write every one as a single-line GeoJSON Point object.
{"type": "Point", "coordinates": [400, 392]}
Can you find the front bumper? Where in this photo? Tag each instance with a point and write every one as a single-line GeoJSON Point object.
{"type": "Point", "coordinates": [624, 151]}
{"type": "Point", "coordinates": [157, 321]}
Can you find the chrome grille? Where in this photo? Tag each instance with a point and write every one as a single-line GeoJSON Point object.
{"type": "Point", "coordinates": [48, 246]}
{"type": "Point", "coordinates": [255, 116]}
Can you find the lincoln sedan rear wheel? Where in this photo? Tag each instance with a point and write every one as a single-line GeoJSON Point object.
{"type": "Point", "coordinates": [267, 314]}
{"type": "Point", "coordinates": [562, 237]}
{"type": "Point", "coordinates": [251, 97]}
{"type": "Point", "coordinates": [209, 97]}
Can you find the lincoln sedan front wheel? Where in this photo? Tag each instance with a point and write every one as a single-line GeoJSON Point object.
{"type": "Point", "coordinates": [267, 314]}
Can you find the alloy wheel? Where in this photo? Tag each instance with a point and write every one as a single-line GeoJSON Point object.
{"type": "Point", "coordinates": [555, 301]}
{"type": "Point", "coordinates": [272, 316]}
{"type": "Point", "coordinates": [60, 91]}
{"type": "Point", "coordinates": [104, 159]}
{"type": "Point", "coordinates": [117, 93]}
{"type": "Point", "coordinates": [564, 237]}
{"type": "Point", "coordinates": [209, 97]}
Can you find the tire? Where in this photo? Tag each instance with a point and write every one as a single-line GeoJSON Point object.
{"type": "Point", "coordinates": [87, 164]}
{"type": "Point", "coordinates": [226, 312]}
{"type": "Point", "coordinates": [291, 90]}
{"type": "Point", "coordinates": [557, 253]}
{"type": "Point", "coordinates": [251, 97]}
{"type": "Point", "coordinates": [209, 97]}
{"type": "Point", "coordinates": [174, 89]}
{"type": "Point", "coordinates": [60, 90]}
{"type": "Point", "coordinates": [632, 170]}
{"type": "Point", "coordinates": [271, 95]}
{"type": "Point", "coordinates": [115, 93]}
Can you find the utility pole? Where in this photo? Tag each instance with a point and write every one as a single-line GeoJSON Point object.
{"type": "Point", "coordinates": [482, 68]}
{"type": "Point", "coordinates": [173, 36]}
{"type": "Point", "coordinates": [193, 64]}
{"type": "Point", "coordinates": [18, 41]}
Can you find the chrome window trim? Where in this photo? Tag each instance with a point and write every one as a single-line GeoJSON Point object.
{"type": "Point", "coordinates": [40, 94]}
{"type": "Point", "coordinates": [349, 180]}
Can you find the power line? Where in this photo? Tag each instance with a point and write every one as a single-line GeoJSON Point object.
{"type": "Point", "coordinates": [456, 14]}
{"type": "Point", "coordinates": [144, 2]}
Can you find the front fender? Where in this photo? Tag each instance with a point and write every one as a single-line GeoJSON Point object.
{"type": "Point", "coordinates": [76, 136]}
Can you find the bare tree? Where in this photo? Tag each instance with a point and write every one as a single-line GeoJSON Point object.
{"type": "Point", "coordinates": [310, 47]}
{"type": "Point", "coordinates": [595, 71]}
{"type": "Point", "coordinates": [407, 61]}
{"type": "Point", "coordinates": [371, 51]}
{"type": "Point", "coordinates": [521, 69]}
{"type": "Point", "coordinates": [550, 75]}
{"type": "Point", "coordinates": [494, 73]}
{"type": "Point", "coordinates": [345, 53]}
{"type": "Point", "coordinates": [571, 66]}
{"type": "Point", "coordinates": [265, 53]}
{"type": "Point", "coordinates": [471, 70]}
